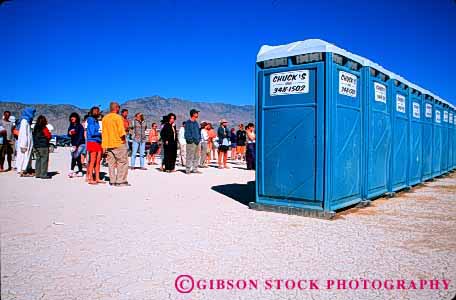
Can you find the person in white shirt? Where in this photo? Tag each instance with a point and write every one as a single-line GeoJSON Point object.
{"type": "Point", "coordinates": [204, 144]}
{"type": "Point", "coordinates": [182, 144]}
{"type": "Point", "coordinates": [25, 143]}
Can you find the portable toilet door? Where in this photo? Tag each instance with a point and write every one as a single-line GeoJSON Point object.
{"type": "Point", "coordinates": [416, 139]}
{"type": "Point", "coordinates": [445, 138]}
{"type": "Point", "coordinates": [451, 157]}
{"type": "Point", "coordinates": [454, 137]}
{"type": "Point", "coordinates": [290, 139]}
{"type": "Point", "coordinates": [377, 126]}
{"type": "Point", "coordinates": [400, 143]}
{"type": "Point", "coordinates": [437, 141]}
{"type": "Point", "coordinates": [427, 137]}
{"type": "Point", "coordinates": [345, 144]}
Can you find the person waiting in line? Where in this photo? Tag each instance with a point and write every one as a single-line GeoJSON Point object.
{"type": "Point", "coordinates": [114, 143]}
{"type": "Point", "coordinates": [233, 141]}
{"type": "Point", "coordinates": [139, 141]}
{"type": "Point", "coordinates": [224, 144]}
{"type": "Point", "coordinates": [7, 145]}
{"type": "Point", "coordinates": [204, 144]}
{"type": "Point", "coordinates": [250, 154]}
{"type": "Point", "coordinates": [182, 145]}
{"type": "Point", "coordinates": [163, 122]}
{"type": "Point", "coordinates": [76, 133]}
{"type": "Point", "coordinates": [241, 141]}
{"type": "Point", "coordinates": [127, 126]}
{"type": "Point", "coordinates": [154, 147]}
{"type": "Point", "coordinates": [41, 138]}
{"type": "Point", "coordinates": [193, 138]}
{"type": "Point", "coordinates": [126, 122]}
{"type": "Point", "coordinates": [213, 143]}
{"type": "Point", "coordinates": [169, 138]}
{"type": "Point", "coordinates": [84, 154]}
{"type": "Point", "coordinates": [94, 149]}
{"type": "Point", "coordinates": [2, 138]}
{"type": "Point", "coordinates": [25, 143]}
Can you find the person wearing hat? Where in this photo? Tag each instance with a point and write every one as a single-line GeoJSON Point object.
{"type": "Point", "coordinates": [204, 144]}
{"type": "Point", "coordinates": [193, 138]}
{"type": "Point", "coordinates": [25, 143]}
{"type": "Point", "coordinates": [224, 143]}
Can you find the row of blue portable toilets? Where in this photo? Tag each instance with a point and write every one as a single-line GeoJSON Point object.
{"type": "Point", "coordinates": [335, 129]}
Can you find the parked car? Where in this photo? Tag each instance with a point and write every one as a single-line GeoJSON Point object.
{"type": "Point", "coordinates": [52, 143]}
{"type": "Point", "coordinates": [63, 140]}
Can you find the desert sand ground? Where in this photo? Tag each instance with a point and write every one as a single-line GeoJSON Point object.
{"type": "Point", "coordinates": [64, 239]}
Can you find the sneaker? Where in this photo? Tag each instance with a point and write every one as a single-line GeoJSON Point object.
{"type": "Point", "coordinates": [79, 174]}
{"type": "Point", "coordinates": [46, 177]}
{"type": "Point", "coordinates": [188, 172]}
{"type": "Point", "coordinates": [143, 168]}
{"type": "Point", "coordinates": [71, 174]}
{"type": "Point", "coordinates": [197, 172]}
{"type": "Point", "coordinates": [123, 184]}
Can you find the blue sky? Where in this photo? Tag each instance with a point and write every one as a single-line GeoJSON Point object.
{"type": "Point", "coordinates": [90, 52]}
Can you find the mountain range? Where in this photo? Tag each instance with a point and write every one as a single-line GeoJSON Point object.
{"type": "Point", "coordinates": [153, 109]}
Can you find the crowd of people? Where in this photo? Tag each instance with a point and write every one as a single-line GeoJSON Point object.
{"type": "Point", "coordinates": [110, 138]}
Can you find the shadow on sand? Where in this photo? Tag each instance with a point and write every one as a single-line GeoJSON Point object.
{"type": "Point", "coordinates": [242, 193]}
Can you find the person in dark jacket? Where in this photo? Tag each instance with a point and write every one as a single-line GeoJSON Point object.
{"type": "Point", "coordinates": [251, 148]}
{"type": "Point", "coordinates": [233, 140]}
{"type": "Point", "coordinates": [41, 138]}
{"type": "Point", "coordinates": [76, 133]}
{"type": "Point", "coordinates": [224, 144]}
{"type": "Point", "coordinates": [94, 146]}
{"type": "Point", "coordinates": [192, 137]}
{"type": "Point", "coordinates": [169, 138]}
{"type": "Point", "coordinates": [241, 142]}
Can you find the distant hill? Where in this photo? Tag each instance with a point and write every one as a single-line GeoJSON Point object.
{"type": "Point", "coordinates": [153, 108]}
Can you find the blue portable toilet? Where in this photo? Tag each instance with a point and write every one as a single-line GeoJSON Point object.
{"type": "Point", "coordinates": [445, 137]}
{"type": "Point", "coordinates": [454, 137]}
{"type": "Point", "coordinates": [335, 129]}
{"type": "Point", "coordinates": [428, 128]}
{"type": "Point", "coordinates": [437, 141]}
{"type": "Point", "coordinates": [377, 127]}
{"type": "Point", "coordinates": [400, 116]}
{"type": "Point", "coordinates": [451, 157]}
{"type": "Point", "coordinates": [416, 135]}
{"type": "Point", "coordinates": [309, 110]}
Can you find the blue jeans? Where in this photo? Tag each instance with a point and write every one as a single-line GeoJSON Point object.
{"type": "Point", "coordinates": [142, 148]}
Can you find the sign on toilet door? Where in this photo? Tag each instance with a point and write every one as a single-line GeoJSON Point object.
{"type": "Point", "coordinates": [400, 103]}
{"type": "Point", "coordinates": [416, 110]}
{"type": "Point", "coordinates": [380, 92]}
{"type": "Point", "coordinates": [428, 110]}
{"type": "Point", "coordinates": [289, 83]}
{"type": "Point", "coordinates": [347, 84]}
